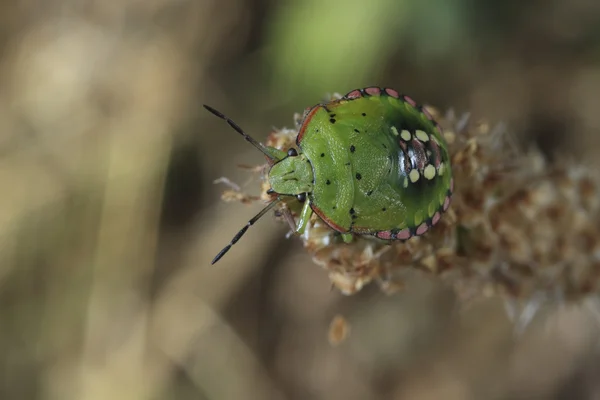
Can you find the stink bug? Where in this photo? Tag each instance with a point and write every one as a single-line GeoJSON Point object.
{"type": "Point", "coordinates": [370, 163]}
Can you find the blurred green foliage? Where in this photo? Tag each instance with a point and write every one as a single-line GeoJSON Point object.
{"type": "Point", "coordinates": [318, 47]}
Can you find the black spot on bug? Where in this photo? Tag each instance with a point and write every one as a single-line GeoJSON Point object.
{"type": "Point", "coordinates": [332, 120]}
{"type": "Point", "coordinates": [334, 207]}
{"type": "Point", "coordinates": [352, 149]}
{"type": "Point", "coordinates": [364, 114]}
{"type": "Point", "coordinates": [322, 154]}
{"type": "Point", "coordinates": [384, 146]}
{"type": "Point", "coordinates": [370, 192]}
{"type": "Point", "coordinates": [357, 131]}
{"type": "Point", "coordinates": [347, 164]}
{"type": "Point", "coordinates": [328, 182]}
{"type": "Point", "coordinates": [358, 176]}
{"type": "Point", "coordinates": [354, 216]}
{"type": "Point", "coordinates": [332, 115]}
{"type": "Point", "coordinates": [352, 211]}
{"type": "Point", "coordinates": [384, 209]}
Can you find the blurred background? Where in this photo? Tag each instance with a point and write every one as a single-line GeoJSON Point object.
{"type": "Point", "coordinates": [109, 217]}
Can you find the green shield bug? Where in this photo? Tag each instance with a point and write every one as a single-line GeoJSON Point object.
{"type": "Point", "coordinates": [371, 163]}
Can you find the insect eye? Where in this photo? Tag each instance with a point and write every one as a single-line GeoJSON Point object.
{"type": "Point", "coordinates": [301, 197]}
{"type": "Point", "coordinates": [292, 153]}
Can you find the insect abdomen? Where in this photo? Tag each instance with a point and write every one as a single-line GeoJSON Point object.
{"type": "Point", "coordinates": [390, 157]}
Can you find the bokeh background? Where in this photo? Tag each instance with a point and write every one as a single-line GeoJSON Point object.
{"type": "Point", "coordinates": [109, 217]}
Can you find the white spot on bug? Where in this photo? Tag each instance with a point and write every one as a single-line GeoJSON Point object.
{"type": "Point", "coordinates": [429, 172]}
{"type": "Point", "coordinates": [405, 183]}
{"type": "Point", "coordinates": [405, 135]}
{"type": "Point", "coordinates": [421, 135]}
{"type": "Point", "coordinates": [414, 175]}
{"type": "Point", "coordinates": [441, 169]}
{"type": "Point", "coordinates": [395, 131]}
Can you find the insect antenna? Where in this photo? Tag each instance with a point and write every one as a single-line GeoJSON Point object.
{"type": "Point", "coordinates": [243, 230]}
{"type": "Point", "coordinates": [239, 130]}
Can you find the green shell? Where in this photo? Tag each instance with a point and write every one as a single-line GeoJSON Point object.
{"type": "Point", "coordinates": [380, 162]}
{"type": "Point", "coordinates": [371, 163]}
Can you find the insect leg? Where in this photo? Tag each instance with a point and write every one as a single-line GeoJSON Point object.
{"type": "Point", "coordinates": [347, 237]}
{"type": "Point", "coordinates": [304, 218]}
{"type": "Point", "coordinates": [287, 215]}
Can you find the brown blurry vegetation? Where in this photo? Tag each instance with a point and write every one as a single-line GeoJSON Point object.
{"type": "Point", "coordinates": [109, 217]}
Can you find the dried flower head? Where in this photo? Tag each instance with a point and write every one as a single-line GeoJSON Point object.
{"type": "Point", "coordinates": [518, 225]}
